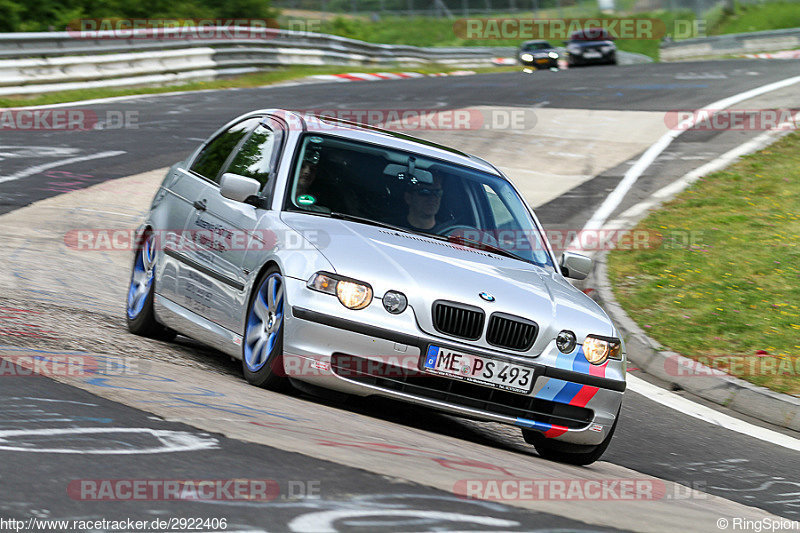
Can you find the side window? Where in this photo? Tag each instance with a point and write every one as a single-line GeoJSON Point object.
{"type": "Point", "coordinates": [255, 158]}
{"type": "Point", "coordinates": [210, 160]}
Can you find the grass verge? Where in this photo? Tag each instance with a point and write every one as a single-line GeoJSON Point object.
{"type": "Point", "coordinates": [724, 286]}
{"type": "Point", "coordinates": [756, 17]}
{"type": "Point", "coordinates": [256, 79]}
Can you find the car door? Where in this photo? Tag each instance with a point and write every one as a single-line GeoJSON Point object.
{"type": "Point", "coordinates": [227, 226]}
{"type": "Point", "coordinates": [193, 289]}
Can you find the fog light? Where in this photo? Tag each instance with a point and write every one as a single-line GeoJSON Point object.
{"type": "Point", "coordinates": [565, 341]}
{"type": "Point", "coordinates": [395, 302]}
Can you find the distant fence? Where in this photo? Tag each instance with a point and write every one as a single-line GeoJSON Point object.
{"type": "Point", "coordinates": [44, 62]}
{"type": "Point", "coordinates": [732, 44]}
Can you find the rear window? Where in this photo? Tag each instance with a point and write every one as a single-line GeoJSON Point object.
{"type": "Point", "coordinates": [528, 47]}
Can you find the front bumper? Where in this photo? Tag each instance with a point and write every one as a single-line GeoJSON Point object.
{"type": "Point", "coordinates": [603, 58]}
{"type": "Point", "coordinates": [539, 63]}
{"type": "Point", "coordinates": [352, 356]}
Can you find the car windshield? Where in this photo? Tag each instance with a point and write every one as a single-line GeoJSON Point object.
{"type": "Point", "coordinates": [590, 34]}
{"type": "Point", "coordinates": [377, 185]}
{"type": "Point", "coordinates": [529, 47]}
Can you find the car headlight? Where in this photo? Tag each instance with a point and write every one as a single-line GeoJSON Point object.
{"type": "Point", "coordinates": [526, 57]}
{"type": "Point", "coordinates": [597, 349]}
{"type": "Point", "coordinates": [553, 55]}
{"type": "Point", "coordinates": [574, 49]}
{"type": "Point", "coordinates": [352, 294]}
{"type": "Point", "coordinates": [606, 49]}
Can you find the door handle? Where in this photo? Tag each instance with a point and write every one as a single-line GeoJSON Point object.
{"type": "Point", "coordinates": [200, 205]}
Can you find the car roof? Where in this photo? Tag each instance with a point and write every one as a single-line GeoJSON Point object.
{"type": "Point", "coordinates": [392, 139]}
{"type": "Point", "coordinates": [536, 41]}
{"type": "Point", "coordinates": [590, 34]}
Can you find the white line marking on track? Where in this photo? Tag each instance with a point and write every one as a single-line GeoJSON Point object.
{"type": "Point", "coordinates": [613, 200]}
{"type": "Point", "coordinates": [707, 414]}
{"type": "Point", "coordinates": [668, 191]}
{"type": "Point", "coordinates": [323, 522]}
{"type": "Point", "coordinates": [41, 168]}
{"type": "Point", "coordinates": [168, 441]}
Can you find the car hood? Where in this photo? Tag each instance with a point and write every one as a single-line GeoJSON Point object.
{"type": "Point", "coordinates": [426, 270]}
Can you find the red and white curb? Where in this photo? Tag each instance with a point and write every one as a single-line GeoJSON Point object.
{"type": "Point", "coordinates": [377, 76]}
{"type": "Point", "coordinates": [783, 54]}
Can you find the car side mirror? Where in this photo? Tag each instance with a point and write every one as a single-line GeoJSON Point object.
{"type": "Point", "coordinates": [238, 188]}
{"type": "Point", "coordinates": [575, 266]}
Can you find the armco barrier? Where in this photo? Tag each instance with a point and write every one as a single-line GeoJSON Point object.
{"type": "Point", "coordinates": [732, 44]}
{"type": "Point", "coordinates": [55, 61]}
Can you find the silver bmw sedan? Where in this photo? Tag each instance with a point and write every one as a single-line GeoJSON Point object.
{"type": "Point", "coordinates": [329, 253]}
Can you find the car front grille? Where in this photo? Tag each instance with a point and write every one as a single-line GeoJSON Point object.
{"type": "Point", "coordinates": [512, 332]}
{"type": "Point", "coordinates": [458, 320]}
{"type": "Point", "coordinates": [459, 393]}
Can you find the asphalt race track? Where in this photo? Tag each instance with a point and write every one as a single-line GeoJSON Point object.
{"type": "Point", "coordinates": [341, 465]}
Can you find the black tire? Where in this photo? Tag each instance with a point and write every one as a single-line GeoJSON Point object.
{"type": "Point", "coordinates": [142, 321]}
{"type": "Point", "coordinates": [564, 452]}
{"type": "Point", "coordinates": [271, 374]}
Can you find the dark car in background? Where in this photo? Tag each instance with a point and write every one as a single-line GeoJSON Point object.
{"type": "Point", "coordinates": [591, 46]}
{"type": "Point", "coordinates": [538, 54]}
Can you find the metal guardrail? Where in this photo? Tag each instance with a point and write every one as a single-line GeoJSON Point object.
{"type": "Point", "coordinates": [44, 62]}
{"type": "Point", "coordinates": [731, 44]}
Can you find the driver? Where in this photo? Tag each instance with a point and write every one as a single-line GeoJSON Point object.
{"type": "Point", "coordinates": [424, 201]}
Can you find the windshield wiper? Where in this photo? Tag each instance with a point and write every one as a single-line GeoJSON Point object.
{"type": "Point", "coordinates": [454, 239]}
{"type": "Point", "coordinates": [364, 220]}
{"type": "Point", "coordinates": [457, 239]}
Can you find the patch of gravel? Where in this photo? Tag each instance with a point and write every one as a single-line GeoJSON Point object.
{"type": "Point", "coordinates": [46, 326]}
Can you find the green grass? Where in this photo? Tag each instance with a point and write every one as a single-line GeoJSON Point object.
{"type": "Point", "coordinates": [735, 290]}
{"type": "Point", "coordinates": [757, 17]}
{"type": "Point", "coordinates": [249, 80]}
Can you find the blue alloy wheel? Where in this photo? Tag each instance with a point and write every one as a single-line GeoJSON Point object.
{"type": "Point", "coordinates": [264, 323]}
{"type": "Point", "coordinates": [141, 277]}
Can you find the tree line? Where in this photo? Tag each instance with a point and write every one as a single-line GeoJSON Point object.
{"type": "Point", "coordinates": [57, 15]}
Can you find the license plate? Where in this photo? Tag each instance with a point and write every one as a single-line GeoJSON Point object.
{"type": "Point", "coordinates": [592, 54]}
{"type": "Point", "coordinates": [477, 369]}
{"type": "Point", "coordinates": [544, 60]}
